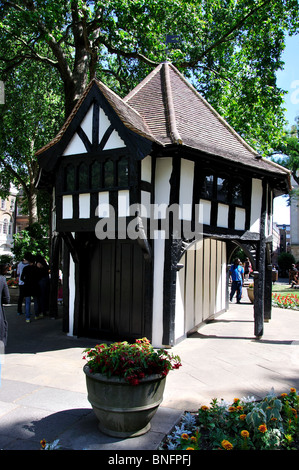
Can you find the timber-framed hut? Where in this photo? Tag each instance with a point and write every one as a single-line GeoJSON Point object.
{"type": "Point", "coordinates": [152, 193]}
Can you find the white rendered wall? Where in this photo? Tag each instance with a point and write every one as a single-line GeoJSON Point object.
{"type": "Point", "coordinates": [86, 124]}
{"type": "Point", "coordinates": [157, 324]}
{"type": "Point", "coordinates": [256, 205]}
{"type": "Point", "coordinates": [222, 216]}
{"type": "Point", "coordinates": [123, 203]}
{"type": "Point", "coordinates": [76, 145]}
{"type": "Point", "coordinates": [204, 216]}
{"type": "Point", "coordinates": [67, 207]}
{"type": "Point", "coordinates": [146, 169]}
{"type": "Point", "coordinates": [162, 185]}
{"type": "Point", "coordinates": [72, 290]}
{"type": "Point", "coordinates": [84, 206]}
{"type": "Point", "coordinates": [200, 285]}
{"type": "Point", "coordinates": [240, 215]}
{"type": "Point", "coordinates": [186, 189]}
{"type": "Point", "coordinates": [179, 329]}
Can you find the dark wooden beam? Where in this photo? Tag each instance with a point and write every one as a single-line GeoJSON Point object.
{"type": "Point", "coordinates": [259, 282]}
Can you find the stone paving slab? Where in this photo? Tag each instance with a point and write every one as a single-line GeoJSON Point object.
{"type": "Point", "coordinates": [43, 392]}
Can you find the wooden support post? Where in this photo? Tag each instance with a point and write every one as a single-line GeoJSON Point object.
{"type": "Point", "coordinates": [55, 253]}
{"type": "Point", "coordinates": [258, 306]}
{"type": "Point", "coordinates": [268, 293]}
{"type": "Point", "coordinates": [259, 282]}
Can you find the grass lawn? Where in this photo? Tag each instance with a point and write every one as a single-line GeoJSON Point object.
{"type": "Point", "coordinates": [283, 289]}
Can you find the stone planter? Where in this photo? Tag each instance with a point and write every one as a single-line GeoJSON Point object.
{"type": "Point", "coordinates": [14, 294]}
{"type": "Point", "coordinates": [250, 293]}
{"type": "Point", "coordinates": [124, 410]}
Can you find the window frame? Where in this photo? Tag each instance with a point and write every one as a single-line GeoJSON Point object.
{"type": "Point", "coordinates": [232, 182]}
{"type": "Point", "coordinates": [76, 161]}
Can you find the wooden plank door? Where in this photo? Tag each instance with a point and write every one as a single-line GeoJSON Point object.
{"type": "Point", "coordinates": [114, 290]}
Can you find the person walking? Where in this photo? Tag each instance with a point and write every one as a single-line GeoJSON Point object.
{"type": "Point", "coordinates": [20, 268]}
{"type": "Point", "coordinates": [4, 299]}
{"type": "Point", "coordinates": [237, 276]}
{"type": "Point", "coordinates": [30, 276]}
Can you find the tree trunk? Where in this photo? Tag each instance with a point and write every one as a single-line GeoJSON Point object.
{"type": "Point", "coordinates": [32, 204]}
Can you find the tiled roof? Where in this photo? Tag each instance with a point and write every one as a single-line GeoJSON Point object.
{"type": "Point", "coordinates": [176, 113]}
{"type": "Point", "coordinates": [166, 109]}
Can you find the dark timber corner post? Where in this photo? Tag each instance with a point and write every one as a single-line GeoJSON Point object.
{"type": "Point", "coordinates": [268, 285]}
{"type": "Point", "coordinates": [260, 275]}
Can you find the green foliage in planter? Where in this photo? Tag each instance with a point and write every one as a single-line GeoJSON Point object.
{"type": "Point", "coordinates": [130, 361]}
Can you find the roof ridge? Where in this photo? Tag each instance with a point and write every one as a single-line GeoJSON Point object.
{"type": "Point", "coordinates": [142, 83]}
{"type": "Point", "coordinates": [174, 133]}
{"type": "Point", "coordinates": [216, 114]}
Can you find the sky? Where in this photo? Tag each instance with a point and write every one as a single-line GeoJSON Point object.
{"type": "Point", "coordinates": [288, 80]}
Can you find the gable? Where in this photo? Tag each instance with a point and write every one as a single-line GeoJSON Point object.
{"type": "Point", "coordinates": [97, 124]}
{"type": "Point", "coordinates": [95, 132]}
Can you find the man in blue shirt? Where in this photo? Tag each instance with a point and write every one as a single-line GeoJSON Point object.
{"type": "Point", "coordinates": [237, 276]}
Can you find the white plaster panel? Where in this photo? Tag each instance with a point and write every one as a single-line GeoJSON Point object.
{"type": "Point", "coordinates": [157, 322]}
{"type": "Point", "coordinates": [189, 297]}
{"type": "Point", "coordinates": [179, 329]}
{"type": "Point", "coordinates": [162, 186]}
{"type": "Point", "coordinates": [198, 282]}
{"type": "Point", "coordinates": [114, 142]}
{"type": "Point", "coordinates": [86, 124]}
{"type": "Point", "coordinates": [123, 203]}
{"type": "Point", "coordinates": [256, 205]}
{"type": "Point", "coordinates": [223, 276]}
{"type": "Point", "coordinates": [72, 290]}
{"type": "Point", "coordinates": [146, 169]}
{"type": "Point", "coordinates": [104, 123]}
{"type": "Point", "coordinates": [75, 146]}
{"type": "Point", "coordinates": [240, 218]}
{"type": "Point", "coordinates": [206, 279]}
{"type": "Point", "coordinates": [213, 276]}
{"type": "Point", "coordinates": [219, 280]}
{"type": "Point", "coordinates": [145, 204]}
{"type": "Point", "coordinates": [84, 206]}
{"type": "Point", "coordinates": [67, 207]}
{"type": "Point", "coordinates": [222, 216]}
{"type": "Point", "coordinates": [186, 189]}
{"type": "Point", "coordinates": [204, 216]}
{"type": "Point", "coordinates": [103, 207]}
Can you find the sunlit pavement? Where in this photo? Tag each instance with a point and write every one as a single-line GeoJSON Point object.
{"type": "Point", "coordinates": [43, 392]}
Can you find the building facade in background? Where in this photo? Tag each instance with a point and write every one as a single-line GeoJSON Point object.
{"type": "Point", "coordinates": [11, 220]}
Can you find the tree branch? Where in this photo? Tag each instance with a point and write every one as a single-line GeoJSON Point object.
{"type": "Point", "coordinates": [128, 55]}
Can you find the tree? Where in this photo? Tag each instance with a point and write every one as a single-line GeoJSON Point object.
{"type": "Point", "coordinates": [33, 239]}
{"type": "Point", "coordinates": [285, 262]}
{"type": "Point", "coordinates": [229, 50]}
{"type": "Point", "coordinates": [31, 113]}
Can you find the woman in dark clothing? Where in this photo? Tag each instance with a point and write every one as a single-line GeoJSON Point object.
{"type": "Point", "coordinates": [30, 276]}
{"type": "Point", "coordinates": [4, 299]}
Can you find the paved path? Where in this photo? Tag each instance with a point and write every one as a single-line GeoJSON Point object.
{"type": "Point", "coordinates": [43, 393]}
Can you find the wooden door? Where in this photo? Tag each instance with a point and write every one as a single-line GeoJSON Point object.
{"type": "Point", "coordinates": [114, 290]}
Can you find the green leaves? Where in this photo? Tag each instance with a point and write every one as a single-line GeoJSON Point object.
{"type": "Point", "coordinates": [229, 50]}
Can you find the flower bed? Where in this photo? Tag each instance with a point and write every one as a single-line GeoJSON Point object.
{"type": "Point", "coordinates": [285, 301]}
{"type": "Point", "coordinates": [245, 424]}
